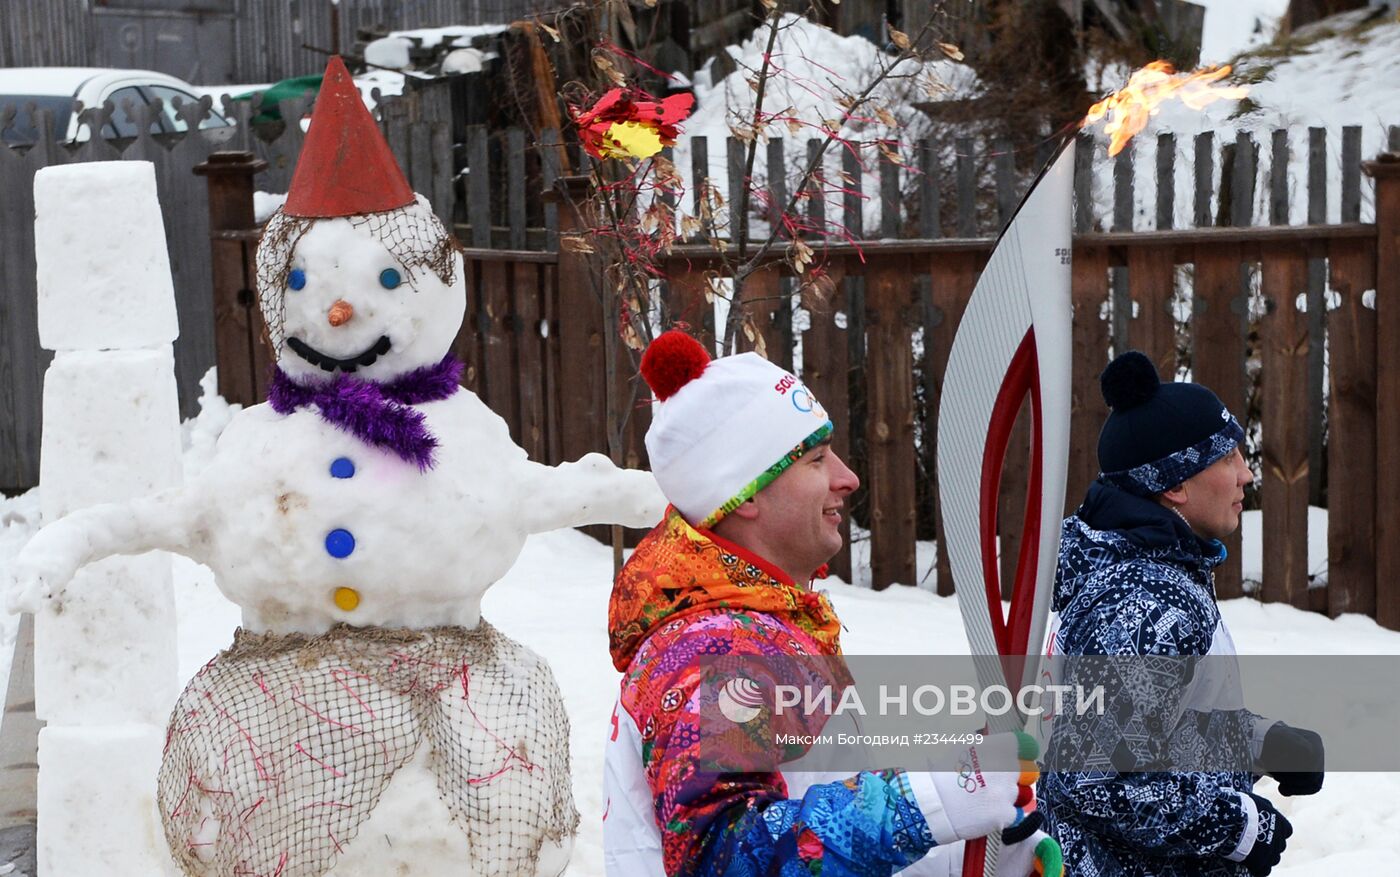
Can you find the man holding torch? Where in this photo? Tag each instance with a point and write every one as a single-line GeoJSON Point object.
{"type": "Point", "coordinates": [742, 450]}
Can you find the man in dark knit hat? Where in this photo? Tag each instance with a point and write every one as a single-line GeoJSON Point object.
{"type": "Point", "coordinates": [1136, 579]}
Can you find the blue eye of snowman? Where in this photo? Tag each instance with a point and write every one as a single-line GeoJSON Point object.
{"type": "Point", "coordinates": [296, 278]}
{"type": "Point", "coordinates": [389, 278]}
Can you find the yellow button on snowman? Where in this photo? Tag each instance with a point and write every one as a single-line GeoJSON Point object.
{"type": "Point", "coordinates": [366, 719]}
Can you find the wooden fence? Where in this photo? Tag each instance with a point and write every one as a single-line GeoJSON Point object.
{"type": "Point", "coordinates": [1246, 308]}
{"type": "Point", "coordinates": [542, 352]}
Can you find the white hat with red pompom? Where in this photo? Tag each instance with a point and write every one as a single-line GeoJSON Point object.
{"type": "Point", "coordinates": [723, 429]}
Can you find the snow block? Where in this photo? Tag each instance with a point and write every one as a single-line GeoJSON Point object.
{"type": "Point", "coordinates": [97, 802]}
{"type": "Point", "coordinates": [103, 267]}
{"type": "Point", "coordinates": [107, 651]}
{"type": "Point", "coordinates": [111, 428]}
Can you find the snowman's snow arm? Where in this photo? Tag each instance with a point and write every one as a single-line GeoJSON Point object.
{"type": "Point", "coordinates": [162, 522]}
{"type": "Point", "coordinates": [589, 491]}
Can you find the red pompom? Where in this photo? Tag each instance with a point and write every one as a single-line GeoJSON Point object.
{"type": "Point", "coordinates": [670, 362]}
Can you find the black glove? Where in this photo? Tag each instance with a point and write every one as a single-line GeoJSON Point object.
{"type": "Point", "coordinates": [1293, 756]}
{"type": "Point", "coordinates": [1023, 829]}
{"type": "Point", "coordinates": [1270, 839]}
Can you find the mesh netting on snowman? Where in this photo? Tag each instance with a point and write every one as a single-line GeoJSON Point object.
{"type": "Point", "coordinates": [279, 749]}
{"type": "Point", "coordinates": [412, 234]}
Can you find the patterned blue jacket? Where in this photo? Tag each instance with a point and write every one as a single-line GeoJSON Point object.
{"type": "Point", "coordinates": [1134, 580]}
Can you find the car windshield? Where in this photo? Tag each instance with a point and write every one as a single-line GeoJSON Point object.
{"type": "Point", "coordinates": [22, 127]}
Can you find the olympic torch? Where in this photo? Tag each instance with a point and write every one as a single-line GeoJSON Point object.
{"type": "Point", "coordinates": [1014, 342]}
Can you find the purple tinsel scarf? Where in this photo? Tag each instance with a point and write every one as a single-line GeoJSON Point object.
{"type": "Point", "coordinates": [378, 414]}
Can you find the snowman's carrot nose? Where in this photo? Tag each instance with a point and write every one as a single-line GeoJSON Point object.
{"type": "Point", "coordinates": [340, 312]}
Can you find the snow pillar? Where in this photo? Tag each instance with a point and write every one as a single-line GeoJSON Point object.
{"type": "Point", "coordinates": [105, 654]}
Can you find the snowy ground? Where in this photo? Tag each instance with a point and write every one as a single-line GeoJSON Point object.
{"type": "Point", "coordinates": [555, 601]}
{"type": "Point", "coordinates": [1233, 26]}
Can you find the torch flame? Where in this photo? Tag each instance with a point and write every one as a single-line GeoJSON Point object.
{"type": "Point", "coordinates": [1129, 108]}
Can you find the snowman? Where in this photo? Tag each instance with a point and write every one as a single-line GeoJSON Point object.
{"type": "Point", "coordinates": [366, 719]}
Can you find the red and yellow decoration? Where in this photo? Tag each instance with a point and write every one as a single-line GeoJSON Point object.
{"type": "Point", "coordinates": [628, 123]}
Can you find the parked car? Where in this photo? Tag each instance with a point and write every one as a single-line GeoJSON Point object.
{"type": "Point", "coordinates": [56, 88]}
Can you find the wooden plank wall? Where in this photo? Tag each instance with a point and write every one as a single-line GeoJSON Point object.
{"type": "Point", "coordinates": [269, 35]}
{"type": "Point", "coordinates": [55, 33]}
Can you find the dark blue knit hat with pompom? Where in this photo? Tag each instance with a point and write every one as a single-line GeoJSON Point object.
{"type": "Point", "coordinates": [1159, 434]}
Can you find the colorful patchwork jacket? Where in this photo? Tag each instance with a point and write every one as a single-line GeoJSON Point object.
{"type": "Point", "coordinates": [686, 594]}
{"type": "Point", "coordinates": [1134, 580]}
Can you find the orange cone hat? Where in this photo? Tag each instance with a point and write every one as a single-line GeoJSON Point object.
{"type": "Point", "coordinates": [345, 168]}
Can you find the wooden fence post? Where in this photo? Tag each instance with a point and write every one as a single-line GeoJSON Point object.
{"type": "Point", "coordinates": [953, 277]}
{"type": "Point", "coordinates": [890, 425]}
{"type": "Point", "coordinates": [1352, 525]}
{"type": "Point", "coordinates": [1284, 451]}
{"type": "Point", "coordinates": [1283, 339]}
{"type": "Point", "coordinates": [583, 406]}
{"type": "Point", "coordinates": [241, 348]}
{"type": "Point", "coordinates": [826, 370]}
{"type": "Point", "coordinates": [1386, 172]}
{"type": "Point", "coordinates": [1087, 408]}
{"type": "Point", "coordinates": [1217, 361]}
{"type": "Point", "coordinates": [1317, 310]}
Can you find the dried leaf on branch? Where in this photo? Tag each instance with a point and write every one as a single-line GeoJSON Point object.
{"type": "Point", "coordinates": [608, 69]}
{"type": "Point", "coordinates": [575, 243]}
{"type": "Point", "coordinates": [553, 32]}
{"type": "Point", "coordinates": [899, 38]}
{"type": "Point", "coordinates": [800, 255]}
{"type": "Point", "coordinates": [890, 154]}
{"type": "Point", "coordinates": [755, 338]}
{"type": "Point", "coordinates": [952, 51]}
{"type": "Point", "coordinates": [711, 283]}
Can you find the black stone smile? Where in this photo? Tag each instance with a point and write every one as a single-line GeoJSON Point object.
{"type": "Point", "coordinates": [329, 363]}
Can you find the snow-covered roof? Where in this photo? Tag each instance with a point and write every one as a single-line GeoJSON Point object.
{"type": "Point", "coordinates": [459, 35]}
